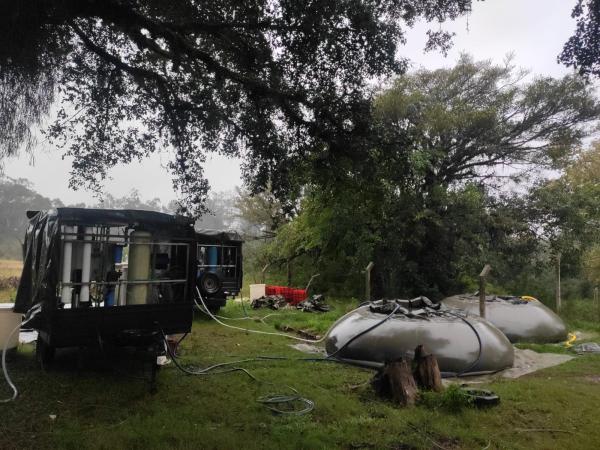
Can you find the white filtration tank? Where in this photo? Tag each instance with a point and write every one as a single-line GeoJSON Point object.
{"type": "Point", "coordinates": [139, 267]}
{"type": "Point", "coordinates": [9, 320]}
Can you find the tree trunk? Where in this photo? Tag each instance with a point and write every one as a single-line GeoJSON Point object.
{"type": "Point", "coordinates": [427, 372]}
{"type": "Point", "coordinates": [396, 381]}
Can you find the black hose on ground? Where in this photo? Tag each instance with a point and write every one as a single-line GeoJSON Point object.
{"type": "Point", "coordinates": [332, 357]}
{"type": "Point", "coordinates": [277, 403]}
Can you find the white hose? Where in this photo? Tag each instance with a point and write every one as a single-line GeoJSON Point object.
{"type": "Point", "coordinates": [5, 370]}
{"type": "Point", "coordinates": [261, 319]}
{"type": "Point", "coordinates": [207, 311]}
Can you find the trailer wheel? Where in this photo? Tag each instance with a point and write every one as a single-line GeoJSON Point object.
{"type": "Point", "coordinates": [209, 283]}
{"type": "Point", "coordinates": [44, 353]}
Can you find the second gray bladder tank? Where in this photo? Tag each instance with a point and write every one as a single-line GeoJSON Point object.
{"type": "Point", "coordinates": [521, 319]}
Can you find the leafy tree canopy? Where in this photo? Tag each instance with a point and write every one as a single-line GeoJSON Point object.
{"type": "Point", "coordinates": [424, 207]}
{"type": "Point", "coordinates": [567, 210]}
{"type": "Point", "coordinates": [275, 82]}
{"type": "Point", "coordinates": [453, 125]}
{"type": "Point", "coordinates": [582, 50]}
{"type": "Point", "coordinates": [16, 197]}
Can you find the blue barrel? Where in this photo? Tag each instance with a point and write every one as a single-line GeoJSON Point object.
{"type": "Point", "coordinates": [212, 258]}
{"type": "Point", "coordinates": [109, 298]}
{"type": "Point", "coordinates": [118, 253]}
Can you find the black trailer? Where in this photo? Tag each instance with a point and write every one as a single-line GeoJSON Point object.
{"type": "Point", "coordinates": [219, 256]}
{"type": "Point", "coordinates": [96, 275]}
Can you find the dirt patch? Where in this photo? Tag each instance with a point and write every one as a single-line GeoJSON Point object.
{"type": "Point", "coordinates": [592, 379]}
{"type": "Point", "coordinates": [526, 361]}
{"type": "Point", "coordinates": [309, 348]}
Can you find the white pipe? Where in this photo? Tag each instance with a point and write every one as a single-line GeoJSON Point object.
{"type": "Point", "coordinates": [123, 286]}
{"type": "Point", "coordinates": [67, 256]}
{"type": "Point", "coordinates": [86, 265]}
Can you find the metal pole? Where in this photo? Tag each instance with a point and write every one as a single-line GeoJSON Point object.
{"type": "Point", "coordinates": [311, 280]}
{"type": "Point", "coordinates": [368, 280]}
{"type": "Point", "coordinates": [262, 273]}
{"type": "Point", "coordinates": [596, 302]}
{"type": "Point", "coordinates": [482, 278]}
{"type": "Point", "coordinates": [558, 296]}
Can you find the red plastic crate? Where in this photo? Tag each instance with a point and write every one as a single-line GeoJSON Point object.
{"type": "Point", "coordinates": [270, 290]}
{"type": "Point", "coordinates": [298, 295]}
{"type": "Point", "coordinates": [293, 296]}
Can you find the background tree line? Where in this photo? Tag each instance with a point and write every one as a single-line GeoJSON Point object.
{"type": "Point", "coordinates": [474, 164]}
{"type": "Point", "coordinates": [430, 176]}
{"type": "Point", "coordinates": [17, 196]}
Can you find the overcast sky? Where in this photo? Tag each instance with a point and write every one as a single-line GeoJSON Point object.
{"type": "Point", "coordinates": [534, 30]}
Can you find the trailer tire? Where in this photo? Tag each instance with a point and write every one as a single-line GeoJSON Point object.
{"type": "Point", "coordinates": [209, 283]}
{"type": "Point", "coordinates": [482, 398]}
{"type": "Point", "coordinates": [214, 309]}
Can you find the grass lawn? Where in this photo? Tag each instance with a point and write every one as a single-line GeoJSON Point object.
{"type": "Point", "coordinates": [8, 268]}
{"type": "Point", "coordinates": [94, 408]}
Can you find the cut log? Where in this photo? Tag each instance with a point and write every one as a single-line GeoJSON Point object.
{"type": "Point", "coordinates": [396, 381]}
{"type": "Point", "coordinates": [426, 371]}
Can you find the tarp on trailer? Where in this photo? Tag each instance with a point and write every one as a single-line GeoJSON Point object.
{"type": "Point", "coordinates": [41, 248]}
{"type": "Point", "coordinates": [219, 235]}
{"type": "Point", "coordinates": [41, 253]}
{"type": "Point", "coordinates": [150, 220]}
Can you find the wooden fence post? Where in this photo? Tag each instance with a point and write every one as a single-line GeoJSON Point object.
{"type": "Point", "coordinates": [368, 281]}
{"type": "Point", "coordinates": [482, 278]}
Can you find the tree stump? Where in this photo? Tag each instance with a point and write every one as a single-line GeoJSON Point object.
{"type": "Point", "coordinates": [426, 371]}
{"type": "Point", "coordinates": [396, 381]}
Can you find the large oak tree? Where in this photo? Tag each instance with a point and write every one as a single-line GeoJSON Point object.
{"type": "Point", "coordinates": [278, 83]}
{"type": "Point", "coordinates": [582, 50]}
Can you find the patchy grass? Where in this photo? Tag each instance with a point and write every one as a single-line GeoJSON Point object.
{"type": "Point", "coordinates": [100, 407]}
{"type": "Point", "coordinates": [582, 315]}
{"type": "Point", "coordinates": [452, 399]}
{"type": "Point", "coordinates": [8, 295]}
{"type": "Point", "coordinates": [9, 268]}
{"type": "Point", "coordinates": [545, 348]}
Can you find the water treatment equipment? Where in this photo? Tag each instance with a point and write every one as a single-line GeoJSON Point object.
{"type": "Point", "coordinates": [213, 258]}
{"type": "Point", "coordinates": [67, 256]}
{"type": "Point", "coordinates": [86, 265]}
{"type": "Point", "coordinates": [139, 267]}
